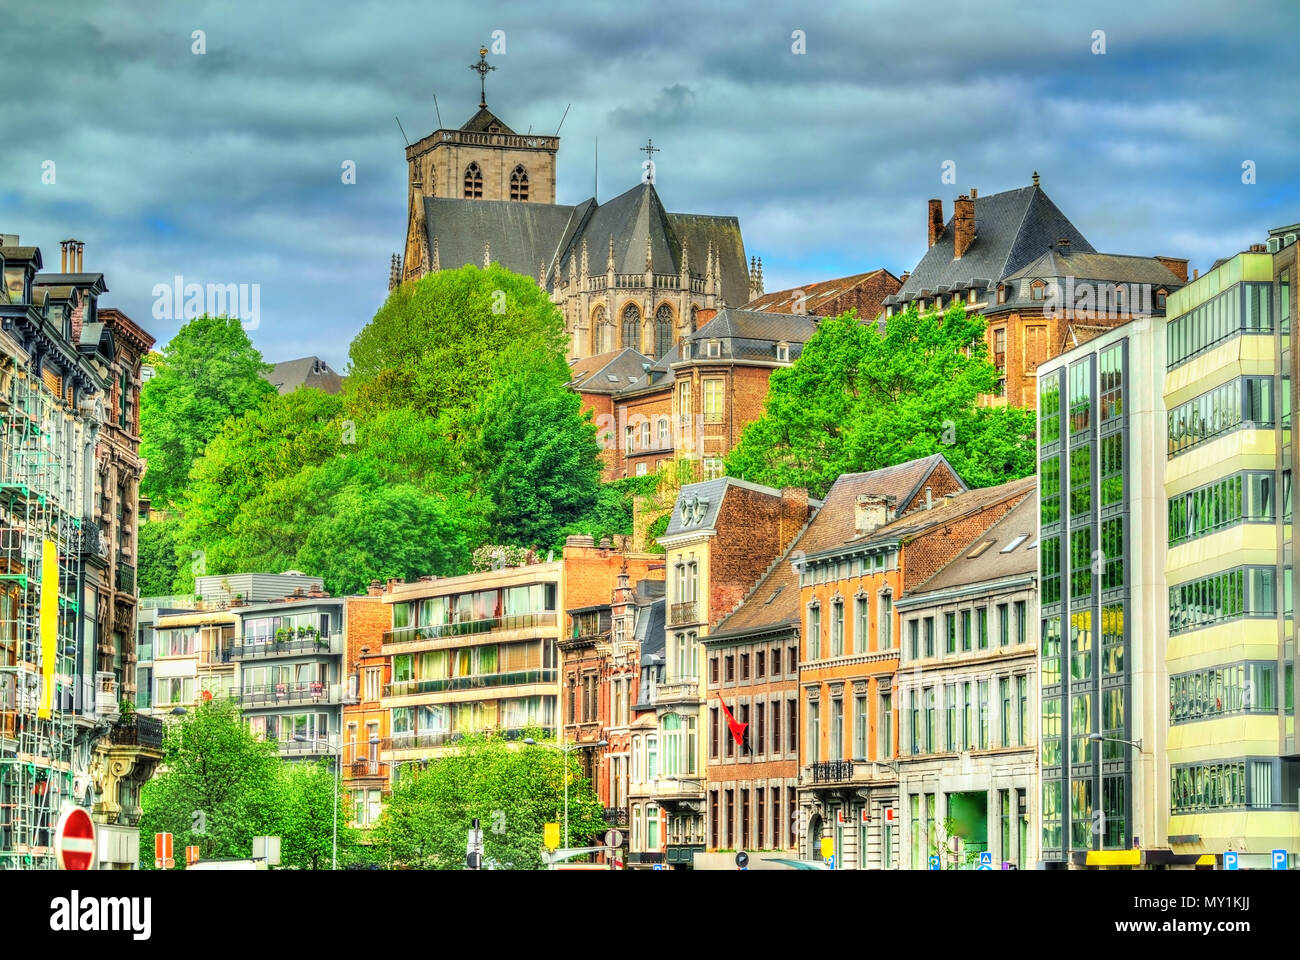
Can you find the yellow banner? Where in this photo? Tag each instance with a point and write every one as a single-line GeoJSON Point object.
{"type": "Point", "coordinates": [49, 625]}
{"type": "Point", "coordinates": [551, 835]}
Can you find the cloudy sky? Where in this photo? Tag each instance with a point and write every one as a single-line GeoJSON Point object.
{"type": "Point", "coordinates": [226, 167]}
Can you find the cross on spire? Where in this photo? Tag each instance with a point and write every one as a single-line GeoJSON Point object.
{"type": "Point", "coordinates": [482, 68]}
{"type": "Point", "coordinates": [649, 149]}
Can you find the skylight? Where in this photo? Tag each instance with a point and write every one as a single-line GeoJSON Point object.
{"type": "Point", "coordinates": [774, 594]}
{"type": "Point", "coordinates": [980, 549]}
{"type": "Point", "coordinates": [1015, 543]}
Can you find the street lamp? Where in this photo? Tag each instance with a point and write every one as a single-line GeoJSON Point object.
{"type": "Point", "coordinates": [1098, 738]}
{"type": "Point", "coordinates": [178, 711]}
{"type": "Point", "coordinates": [338, 766]}
{"type": "Point", "coordinates": [566, 748]}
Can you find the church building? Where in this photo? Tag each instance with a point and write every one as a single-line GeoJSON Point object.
{"type": "Point", "coordinates": [626, 273]}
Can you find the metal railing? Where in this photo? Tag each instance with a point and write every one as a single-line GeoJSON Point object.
{"type": "Point", "coordinates": [138, 730]}
{"type": "Point", "coordinates": [274, 693]}
{"type": "Point", "coordinates": [125, 577]}
{"type": "Point", "coordinates": [409, 741]}
{"type": "Point", "coordinates": [684, 612]}
{"type": "Point", "coordinates": [272, 648]}
{"type": "Point", "coordinates": [435, 631]}
{"type": "Point", "coordinates": [403, 688]}
{"type": "Point", "coordinates": [832, 771]}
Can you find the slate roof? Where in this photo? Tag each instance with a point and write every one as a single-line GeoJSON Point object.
{"type": "Point", "coordinates": [95, 280]}
{"type": "Point", "coordinates": [610, 372]}
{"type": "Point", "coordinates": [713, 491]}
{"type": "Point", "coordinates": [288, 375]}
{"type": "Point", "coordinates": [16, 254]}
{"type": "Point", "coordinates": [484, 119]}
{"type": "Point", "coordinates": [751, 335]}
{"type": "Point", "coordinates": [992, 563]}
{"type": "Point", "coordinates": [523, 237]}
{"type": "Point", "coordinates": [649, 630]}
{"type": "Point", "coordinates": [834, 524]}
{"type": "Point", "coordinates": [1099, 268]}
{"type": "Point", "coordinates": [816, 295]}
{"type": "Point", "coordinates": [1012, 229]}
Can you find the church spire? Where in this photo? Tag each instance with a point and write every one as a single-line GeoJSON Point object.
{"type": "Point", "coordinates": [583, 275]}
{"type": "Point", "coordinates": [435, 266]}
{"type": "Point", "coordinates": [482, 68]}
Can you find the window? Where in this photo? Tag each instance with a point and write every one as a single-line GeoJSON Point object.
{"type": "Point", "coordinates": [1022, 706]}
{"type": "Point", "coordinates": [713, 399]}
{"type": "Point", "coordinates": [967, 717]}
{"type": "Point", "coordinates": [886, 622]}
{"type": "Point", "coordinates": [950, 718]}
{"type": "Point", "coordinates": [914, 722]}
{"type": "Point", "coordinates": [730, 660]}
{"type": "Point", "coordinates": [982, 702]}
{"type": "Point", "coordinates": [1022, 624]}
{"type": "Point", "coordinates": [744, 666]}
{"type": "Point", "coordinates": [651, 757]}
{"type": "Point", "coordinates": [913, 639]}
{"type": "Point", "coordinates": [783, 351]}
{"type": "Point", "coordinates": [664, 441]}
{"type": "Point", "coordinates": [1005, 715]}
{"type": "Point", "coordinates": [1004, 625]}
{"type": "Point", "coordinates": [473, 182]}
{"type": "Point", "coordinates": [776, 728]}
{"type": "Point", "coordinates": [1038, 290]}
{"type": "Point", "coordinates": [1243, 402]}
{"type": "Point", "coordinates": [1002, 293]}
{"type": "Point", "coordinates": [813, 750]}
{"type": "Point", "coordinates": [652, 827]}
{"type": "Point", "coordinates": [950, 629]}
{"type": "Point", "coordinates": [885, 729]}
{"type": "Point", "coordinates": [929, 720]}
{"type": "Point", "coordinates": [929, 636]}
{"type": "Point", "coordinates": [1230, 595]}
{"type": "Point", "coordinates": [632, 326]}
{"type": "Point", "coordinates": [860, 726]}
{"type": "Point", "coordinates": [792, 724]}
{"type": "Point", "coordinates": [836, 751]}
{"type": "Point", "coordinates": [714, 467]}
{"type": "Point", "coordinates": [982, 625]}
{"type": "Point", "coordinates": [713, 348]}
{"type": "Point", "coordinates": [1244, 308]}
{"type": "Point", "coordinates": [965, 630]}
{"type": "Point", "coordinates": [519, 183]}
{"type": "Point", "coordinates": [1081, 395]}
{"type": "Point", "coordinates": [837, 628]}
{"type": "Point", "coordinates": [760, 659]}
{"type": "Point", "coordinates": [663, 329]}
{"type": "Point", "coordinates": [812, 648]}
{"type": "Point", "coordinates": [373, 675]}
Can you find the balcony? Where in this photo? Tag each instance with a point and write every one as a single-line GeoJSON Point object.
{"type": "Point", "coordinates": [255, 649]}
{"type": "Point", "coordinates": [684, 612]}
{"type": "Point", "coordinates": [138, 731]}
{"type": "Point", "coordinates": [832, 771]}
{"type": "Point", "coordinates": [415, 741]}
{"type": "Point", "coordinates": [106, 702]}
{"type": "Point", "coordinates": [438, 631]}
{"type": "Point", "coordinates": [90, 541]}
{"type": "Point", "coordinates": [679, 691]}
{"type": "Point", "coordinates": [366, 768]}
{"type": "Point", "coordinates": [306, 748]}
{"type": "Point", "coordinates": [283, 694]}
{"type": "Point", "coordinates": [125, 577]}
{"type": "Point", "coordinates": [406, 688]}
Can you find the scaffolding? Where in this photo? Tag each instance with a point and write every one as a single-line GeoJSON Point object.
{"type": "Point", "coordinates": [39, 571]}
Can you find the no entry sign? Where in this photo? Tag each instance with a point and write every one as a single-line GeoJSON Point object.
{"type": "Point", "coordinates": [74, 840]}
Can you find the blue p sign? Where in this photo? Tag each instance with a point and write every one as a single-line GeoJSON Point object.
{"type": "Point", "coordinates": [934, 863]}
{"type": "Point", "coordinates": [830, 861]}
{"type": "Point", "coordinates": [1229, 861]}
{"type": "Point", "coordinates": [1279, 859]}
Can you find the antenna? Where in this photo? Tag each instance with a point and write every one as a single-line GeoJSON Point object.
{"type": "Point", "coordinates": [595, 189]}
{"type": "Point", "coordinates": [437, 111]}
{"type": "Point", "coordinates": [399, 127]}
{"type": "Point", "coordinates": [566, 113]}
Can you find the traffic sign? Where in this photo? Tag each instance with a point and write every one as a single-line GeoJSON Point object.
{"type": "Point", "coordinates": [613, 838]}
{"type": "Point", "coordinates": [986, 860]}
{"type": "Point", "coordinates": [191, 855]}
{"type": "Point", "coordinates": [551, 835]}
{"type": "Point", "coordinates": [1229, 861]}
{"type": "Point", "coordinates": [839, 816]}
{"type": "Point", "coordinates": [828, 846]}
{"type": "Point", "coordinates": [1279, 859]}
{"type": "Point", "coordinates": [830, 861]}
{"type": "Point", "coordinates": [74, 840]}
{"type": "Point", "coordinates": [657, 866]}
{"type": "Point", "coordinates": [934, 862]}
{"type": "Point", "coordinates": [742, 860]}
{"type": "Point", "coordinates": [890, 815]}
{"type": "Point", "coordinates": [865, 818]}
{"type": "Point", "coordinates": [162, 851]}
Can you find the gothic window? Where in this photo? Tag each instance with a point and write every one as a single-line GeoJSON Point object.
{"type": "Point", "coordinates": [663, 329]}
{"type": "Point", "coordinates": [632, 327]}
{"type": "Point", "coordinates": [473, 182]}
{"type": "Point", "coordinates": [519, 184]}
{"type": "Point", "coordinates": [694, 318]}
{"type": "Point", "coordinates": [602, 332]}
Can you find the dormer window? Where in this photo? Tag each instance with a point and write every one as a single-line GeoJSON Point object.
{"type": "Point", "coordinates": [1161, 294]}
{"type": "Point", "coordinates": [686, 349]}
{"type": "Point", "coordinates": [715, 348]}
{"type": "Point", "coordinates": [971, 296]}
{"type": "Point", "coordinates": [783, 351]}
{"type": "Point", "coordinates": [1037, 290]}
{"type": "Point", "coordinates": [1002, 293]}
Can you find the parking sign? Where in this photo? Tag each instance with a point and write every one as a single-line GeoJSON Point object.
{"type": "Point", "coordinates": [1229, 861]}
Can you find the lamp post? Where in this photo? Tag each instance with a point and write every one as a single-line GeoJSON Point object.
{"type": "Point", "coordinates": [1098, 738]}
{"type": "Point", "coordinates": [338, 766]}
{"type": "Point", "coordinates": [565, 749]}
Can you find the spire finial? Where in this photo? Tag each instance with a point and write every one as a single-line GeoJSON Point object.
{"type": "Point", "coordinates": [609, 264]}
{"type": "Point", "coordinates": [482, 68]}
{"type": "Point", "coordinates": [649, 260]}
{"type": "Point", "coordinates": [686, 261]}
{"type": "Point", "coordinates": [584, 259]}
{"type": "Point", "coordinates": [1035, 178]}
{"type": "Point", "coordinates": [435, 266]}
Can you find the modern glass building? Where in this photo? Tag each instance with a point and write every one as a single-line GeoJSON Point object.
{"type": "Point", "coordinates": [1233, 769]}
{"type": "Point", "coordinates": [1102, 601]}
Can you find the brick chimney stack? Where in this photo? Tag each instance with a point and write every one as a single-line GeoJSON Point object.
{"type": "Point", "coordinates": [963, 225]}
{"type": "Point", "coordinates": [870, 511]}
{"type": "Point", "coordinates": [794, 513]}
{"type": "Point", "coordinates": [936, 221]}
{"type": "Point", "coordinates": [376, 589]}
{"type": "Point", "coordinates": [1177, 266]}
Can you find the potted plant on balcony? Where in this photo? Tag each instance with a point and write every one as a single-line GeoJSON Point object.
{"type": "Point", "coordinates": [282, 634]}
{"type": "Point", "coordinates": [125, 711]}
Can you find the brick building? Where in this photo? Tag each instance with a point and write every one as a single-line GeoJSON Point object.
{"type": "Point", "coordinates": [1016, 259]}
{"type": "Point", "coordinates": [365, 723]}
{"type": "Point", "coordinates": [863, 292]}
{"type": "Point", "coordinates": [867, 549]}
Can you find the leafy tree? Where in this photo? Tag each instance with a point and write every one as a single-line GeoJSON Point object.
{"type": "Point", "coordinates": [860, 399]}
{"type": "Point", "coordinates": [513, 789]}
{"type": "Point", "coordinates": [304, 816]}
{"type": "Point", "coordinates": [210, 371]}
{"type": "Point", "coordinates": [157, 557]}
{"type": "Point", "coordinates": [214, 776]}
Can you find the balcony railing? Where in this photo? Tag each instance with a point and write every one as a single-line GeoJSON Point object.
{"type": "Point", "coordinates": [684, 612]}
{"type": "Point", "coordinates": [366, 768]}
{"type": "Point", "coordinates": [125, 577]}
{"type": "Point", "coordinates": [319, 746]}
{"type": "Point", "coordinates": [252, 649]}
{"type": "Point", "coordinates": [403, 688]}
{"type": "Point", "coordinates": [106, 702]}
{"type": "Point", "coordinates": [410, 741]}
{"type": "Point", "coordinates": [678, 690]}
{"type": "Point", "coordinates": [269, 694]}
{"type": "Point", "coordinates": [90, 540]}
{"type": "Point", "coordinates": [435, 631]}
{"type": "Point", "coordinates": [832, 771]}
{"type": "Point", "coordinates": [138, 730]}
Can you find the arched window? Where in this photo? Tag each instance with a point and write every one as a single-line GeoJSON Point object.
{"type": "Point", "coordinates": [602, 331]}
{"type": "Point", "coordinates": [473, 182]}
{"type": "Point", "coordinates": [632, 327]}
{"type": "Point", "coordinates": [519, 184]}
{"type": "Point", "coordinates": [663, 329]}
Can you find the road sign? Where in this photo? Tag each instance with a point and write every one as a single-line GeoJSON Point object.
{"type": "Point", "coordinates": [74, 840]}
{"type": "Point", "coordinates": [1229, 861]}
{"type": "Point", "coordinates": [191, 855]}
{"type": "Point", "coordinates": [890, 815]}
{"type": "Point", "coordinates": [986, 860]}
{"type": "Point", "coordinates": [1279, 859]}
{"type": "Point", "coordinates": [657, 866]}
{"type": "Point", "coordinates": [162, 851]}
{"type": "Point", "coordinates": [865, 818]}
{"type": "Point", "coordinates": [613, 838]}
{"type": "Point", "coordinates": [839, 816]}
{"type": "Point", "coordinates": [551, 835]}
{"type": "Point", "coordinates": [830, 861]}
{"type": "Point", "coordinates": [742, 860]}
{"type": "Point", "coordinates": [934, 862]}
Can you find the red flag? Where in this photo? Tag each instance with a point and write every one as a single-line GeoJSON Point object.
{"type": "Point", "coordinates": [737, 728]}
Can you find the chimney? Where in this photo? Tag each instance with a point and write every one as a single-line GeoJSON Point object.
{"type": "Point", "coordinates": [870, 511]}
{"type": "Point", "coordinates": [1177, 266]}
{"type": "Point", "coordinates": [392, 583]}
{"type": "Point", "coordinates": [81, 249]}
{"type": "Point", "coordinates": [376, 589]}
{"type": "Point", "coordinates": [929, 498]}
{"type": "Point", "coordinates": [963, 225]}
{"type": "Point", "coordinates": [794, 513]}
{"type": "Point", "coordinates": [1258, 248]}
{"type": "Point", "coordinates": [973, 193]}
{"type": "Point", "coordinates": [902, 277]}
{"type": "Point", "coordinates": [1063, 243]}
{"type": "Point", "coordinates": [936, 221]}
{"type": "Point", "coordinates": [1196, 273]}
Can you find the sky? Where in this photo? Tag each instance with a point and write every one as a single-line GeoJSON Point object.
{"type": "Point", "coordinates": [227, 166]}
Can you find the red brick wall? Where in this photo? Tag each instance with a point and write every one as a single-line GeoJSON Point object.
{"type": "Point", "coordinates": [866, 298]}
{"type": "Point", "coordinates": [941, 481]}
{"type": "Point", "coordinates": [929, 551]}
{"type": "Point", "coordinates": [366, 619]}
{"type": "Point", "coordinates": [591, 573]}
{"type": "Point", "coordinates": [749, 538]}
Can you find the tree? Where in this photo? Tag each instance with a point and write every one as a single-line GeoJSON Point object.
{"type": "Point", "coordinates": [210, 371]}
{"type": "Point", "coordinates": [513, 789]}
{"type": "Point", "coordinates": [860, 399]}
{"type": "Point", "coordinates": [216, 788]}
{"type": "Point", "coordinates": [157, 568]}
{"type": "Point", "coordinates": [305, 816]}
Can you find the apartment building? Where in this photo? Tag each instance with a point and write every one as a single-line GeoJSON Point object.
{"type": "Point", "coordinates": [192, 659]}
{"type": "Point", "coordinates": [969, 650]}
{"type": "Point", "coordinates": [1234, 773]}
{"type": "Point", "coordinates": [645, 818]}
{"type": "Point", "coordinates": [366, 780]}
{"type": "Point", "coordinates": [1102, 601]}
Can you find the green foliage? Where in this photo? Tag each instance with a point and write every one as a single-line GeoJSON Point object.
{"type": "Point", "coordinates": [656, 530]}
{"type": "Point", "coordinates": [210, 371]}
{"type": "Point", "coordinates": [859, 399]}
{"type": "Point", "coordinates": [304, 816]}
{"type": "Point", "coordinates": [158, 564]}
{"type": "Point", "coordinates": [512, 788]}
